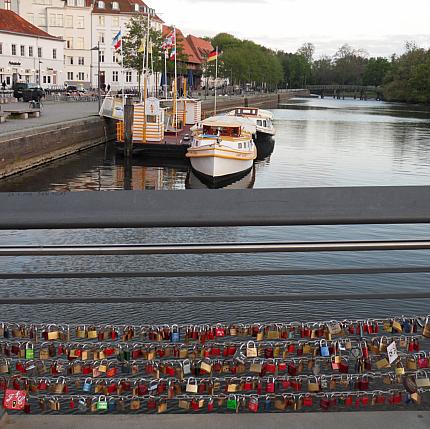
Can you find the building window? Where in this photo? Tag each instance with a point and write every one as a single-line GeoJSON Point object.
{"type": "Point", "coordinates": [46, 79]}
{"type": "Point", "coordinates": [81, 76]}
{"type": "Point", "coordinates": [13, 49]}
{"type": "Point", "coordinates": [68, 23]}
{"type": "Point", "coordinates": [39, 52]}
{"type": "Point", "coordinates": [41, 20]}
{"type": "Point", "coordinates": [81, 61]}
{"type": "Point", "coordinates": [80, 3]}
{"type": "Point", "coordinates": [115, 21]}
{"type": "Point", "coordinates": [56, 20]}
{"type": "Point", "coordinates": [70, 61]}
{"type": "Point", "coordinates": [102, 38]}
{"type": "Point", "coordinates": [101, 4]}
{"type": "Point", "coordinates": [69, 75]}
{"type": "Point", "coordinates": [71, 3]}
{"type": "Point", "coordinates": [114, 57]}
{"type": "Point", "coordinates": [136, 7]}
{"type": "Point", "coordinates": [7, 4]}
{"type": "Point", "coordinates": [114, 76]}
{"type": "Point", "coordinates": [128, 76]}
{"type": "Point", "coordinates": [69, 43]}
{"type": "Point", "coordinates": [22, 51]}
{"type": "Point", "coordinates": [101, 21]}
{"type": "Point", "coordinates": [30, 51]}
{"type": "Point", "coordinates": [79, 22]}
{"type": "Point", "coordinates": [80, 43]}
{"type": "Point", "coordinates": [102, 56]}
{"type": "Point", "coordinates": [1, 48]}
{"type": "Point", "coordinates": [54, 54]}
{"type": "Point", "coordinates": [115, 5]}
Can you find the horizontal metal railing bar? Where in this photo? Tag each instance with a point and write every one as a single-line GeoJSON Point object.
{"type": "Point", "coordinates": [215, 298]}
{"type": "Point", "coordinates": [216, 208]}
{"type": "Point", "coordinates": [214, 248]}
{"type": "Point", "coordinates": [219, 273]}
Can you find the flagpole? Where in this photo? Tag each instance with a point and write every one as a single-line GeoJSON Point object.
{"type": "Point", "coordinates": [216, 79]}
{"type": "Point", "coordinates": [165, 74]}
{"type": "Point", "coordinates": [175, 84]}
{"type": "Point", "coordinates": [123, 75]}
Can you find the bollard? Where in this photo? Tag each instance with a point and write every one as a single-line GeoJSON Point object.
{"type": "Point", "coordinates": [128, 125]}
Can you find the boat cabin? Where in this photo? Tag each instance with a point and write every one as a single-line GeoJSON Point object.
{"type": "Point", "coordinates": [211, 130]}
{"type": "Point", "coordinates": [246, 111]}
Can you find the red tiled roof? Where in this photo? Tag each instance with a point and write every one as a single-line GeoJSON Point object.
{"type": "Point", "coordinates": [187, 48]}
{"type": "Point", "coordinates": [13, 23]}
{"type": "Point", "coordinates": [201, 47]}
{"type": "Point", "coordinates": [125, 6]}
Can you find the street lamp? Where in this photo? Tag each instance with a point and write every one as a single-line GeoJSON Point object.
{"type": "Point", "coordinates": [40, 62]}
{"type": "Point", "coordinates": [97, 48]}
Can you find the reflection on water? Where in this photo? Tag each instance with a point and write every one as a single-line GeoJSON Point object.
{"type": "Point", "coordinates": [331, 143]}
{"type": "Point", "coordinates": [323, 143]}
{"type": "Point", "coordinates": [246, 181]}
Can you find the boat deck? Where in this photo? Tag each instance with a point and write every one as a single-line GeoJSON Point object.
{"type": "Point", "coordinates": [172, 146]}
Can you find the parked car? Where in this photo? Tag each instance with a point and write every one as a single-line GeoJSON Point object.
{"type": "Point", "coordinates": [32, 92]}
{"type": "Point", "coordinates": [18, 87]}
{"type": "Point", "coordinates": [70, 89]}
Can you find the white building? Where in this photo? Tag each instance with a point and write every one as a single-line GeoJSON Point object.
{"type": "Point", "coordinates": [83, 24]}
{"type": "Point", "coordinates": [29, 54]}
{"type": "Point", "coordinates": [108, 18]}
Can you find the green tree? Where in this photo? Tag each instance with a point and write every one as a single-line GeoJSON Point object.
{"type": "Point", "coordinates": [376, 71]}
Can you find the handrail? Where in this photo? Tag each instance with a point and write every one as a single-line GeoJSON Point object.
{"type": "Point", "coordinates": [211, 274]}
{"type": "Point", "coordinates": [216, 208]}
{"type": "Point", "coordinates": [213, 248]}
{"type": "Point", "coordinates": [214, 298]}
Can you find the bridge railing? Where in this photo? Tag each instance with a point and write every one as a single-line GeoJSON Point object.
{"type": "Point", "coordinates": [194, 209]}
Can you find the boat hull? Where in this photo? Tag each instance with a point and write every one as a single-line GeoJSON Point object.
{"type": "Point", "coordinates": [219, 163]}
{"type": "Point", "coordinates": [265, 144]}
{"type": "Point", "coordinates": [244, 180]}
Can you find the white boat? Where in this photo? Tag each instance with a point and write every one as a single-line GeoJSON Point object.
{"type": "Point", "coordinates": [222, 148]}
{"type": "Point", "coordinates": [265, 131]}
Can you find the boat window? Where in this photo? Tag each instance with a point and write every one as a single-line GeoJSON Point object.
{"type": "Point", "coordinates": [151, 118]}
{"type": "Point", "coordinates": [240, 145]}
{"type": "Point", "coordinates": [264, 124]}
{"type": "Point", "coordinates": [259, 122]}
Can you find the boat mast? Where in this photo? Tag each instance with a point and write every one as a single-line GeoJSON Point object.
{"type": "Point", "coordinates": [216, 78]}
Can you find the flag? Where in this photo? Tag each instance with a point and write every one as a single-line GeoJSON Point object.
{"type": "Point", "coordinates": [213, 55]}
{"type": "Point", "coordinates": [142, 46]}
{"type": "Point", "coordinates": [117, 40]}
{"type": "Point", "coordinates": [172, 54]}
{"type": "Point", "coordinates": [169, 41]}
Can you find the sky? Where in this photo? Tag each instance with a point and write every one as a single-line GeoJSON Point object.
{"type": "Point", "coordinates": [380, 27]}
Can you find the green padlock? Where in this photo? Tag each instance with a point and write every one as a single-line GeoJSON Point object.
{"type": "Point", "coordinates": [102, 404]}
{"type": "Point", "coordinates": [232, 403]}
{"type": "Point", "coordinates": [29, 351]}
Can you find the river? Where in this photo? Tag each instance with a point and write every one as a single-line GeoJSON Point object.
{"type": "Point", "coordinates": [319, 143]}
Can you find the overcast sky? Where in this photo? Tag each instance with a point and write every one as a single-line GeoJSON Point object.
{"type": "Point", "coordinates": [379, 26]}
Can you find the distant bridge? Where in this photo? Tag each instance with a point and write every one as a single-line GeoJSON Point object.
{"type": "Point", "coordinates": [339, 91]}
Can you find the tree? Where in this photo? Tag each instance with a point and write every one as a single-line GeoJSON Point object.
{"type": "Point", "coordinates": [376, 70]}
{"type": "Point", "coordinates": [132, 42]}
{"type": "Point", "coordinates": [307, 50]}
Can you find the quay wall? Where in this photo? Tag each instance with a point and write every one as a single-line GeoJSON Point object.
{"type": "Point", "coordinates": [22, 150]}
{"type": "Point", "coordinates": [29, 148]}
{"type": "Point", "coordinates": [263, 101]}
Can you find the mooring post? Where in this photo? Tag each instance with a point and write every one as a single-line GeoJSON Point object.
{"type": "Point", "coordinates": [128, 142]}
{"type": "Point", "coordinates": [128, 125]}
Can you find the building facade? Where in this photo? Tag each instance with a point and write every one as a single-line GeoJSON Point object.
{"type": "Point", "coordinates": [29, 54]}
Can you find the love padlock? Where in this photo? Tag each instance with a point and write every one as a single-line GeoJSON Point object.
{"type": "Point", "coordinates": [175, 334]}
{"type": "Point", "coordinates": [29, 351]}
{"type": "Point", "coordinates": [253, 404]}
{"type": "Point", "coordinates": [324, 350]}
{"type": "Point", "coordinates": [426, 327]}
{"type": "Point", "coordinates": [102, 404]}
{"type": "Point", "coordinates": [87, 385]}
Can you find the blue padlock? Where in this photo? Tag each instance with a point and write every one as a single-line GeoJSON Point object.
{"type": "Point", "coordinates": [111, 405]}
{"type": "Point", "coordinates": [175, 334]}
{"type": "Point", "coordinates": [267, 404]}
{"type": "Point", "coordinates": [407, 328]}
{"type": "Point", "coordinates": [88, 384]}
{"type": "Point", "coordinates": [324, 350]}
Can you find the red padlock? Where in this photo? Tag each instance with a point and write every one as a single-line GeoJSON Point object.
{"type": "Point", "coordinates": [247, 386]}
{"type": "Point", "coordinates": [325, 403]}
{"type": "Point", "coordinates": [307, 401]}
{"type": "Point", "coordinates": [194, 405]}
{"type": "Point", "coordinates": [270, 385]}
{"type": "Point", "coordinates": [210, 405]}
{"type": "Point", "coordinates": [292, 369]}
{"type": "Point", "coordinates": [348, 401]}
{"type": "Point", "coordinates": [253, 405]}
